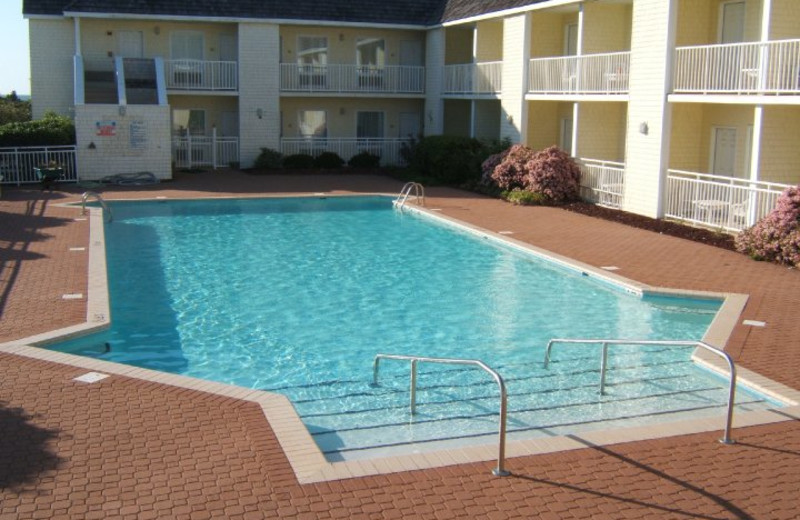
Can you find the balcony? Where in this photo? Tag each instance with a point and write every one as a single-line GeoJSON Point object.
{"type": "Point", "coordinates": [603, 182]}
{"type": "Point", "coordinates": [590, 74]}
{"type": "Point", "coordinates": [387, 149]}
{"type": "Point", "coordinates": [725, 203]}
{"type": "Point", "coordinates": [739, 68]}
{"type": "Point", "coordinates": [202, 75]}
{"type": "Point", "coordinates": [352, 79]}
{"type": "Point", "coordinates": [192, 151]}
{"type": "Point", "coordinates": [473, 78]}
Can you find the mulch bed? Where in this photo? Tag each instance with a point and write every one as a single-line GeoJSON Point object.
{"type": "Point", "coordinates": [705, 236]}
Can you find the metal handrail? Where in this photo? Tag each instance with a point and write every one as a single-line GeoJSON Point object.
{"type": "Point", "coordinates": [85, 197]}
{"type": "Point", "coordinates": [726, 439]}
{"type": "Point", "coordinates": [419, 194]}
{"type": "Point", "coordinates": [499, 471]}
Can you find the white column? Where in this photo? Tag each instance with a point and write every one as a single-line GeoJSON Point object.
{"type": "Point", "coordinates": [434, 70]}
{"type": "Point", "coordinates": [77, 22]}
{"type": "Point", "coordinates": [259, 90]}
{"type": "Point", "coordinates": [649, 114]}
{"type": "Point", "coordinates": [516, 54]}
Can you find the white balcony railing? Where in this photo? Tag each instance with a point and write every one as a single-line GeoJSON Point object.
{"type": "Point", "coordinates": [473, 78]}
{"type": "Point", "coordinates": [740, 68]}
{"type": "Point", "coordinates": [202, 75]}
{"type": "Point", "coordinates": [17, 164]}
{"type": "Point", "coordinates": [719, 202]}
{"type": "Point", "coordinates": [603, 182]}
{"type": "Point", "coordinates": [589, 74]}
{"type": "Point", "coordinates": [389, 79]}
{"type": "Point", "coordinates": [191, 151]}
{"type": "Point", "coordinates": [387, 149]}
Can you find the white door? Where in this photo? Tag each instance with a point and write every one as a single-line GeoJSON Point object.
{"type": "Point", "coordinates": [410, 53]}
{"type": "Point", "coordinates": [409, 125]}
{"type": "Point", "coordinates": [723, 152]}
{"type": "Point", "coordinates": [731, 27]}
{"type": "Point", "coordinates": [566, 135]}
{"type": "Point", "coordinates": [131, 44]}
{"type": "Point", "coordinates": [571, 39]}
{"type": "Point", "coordinates": [228, 48]}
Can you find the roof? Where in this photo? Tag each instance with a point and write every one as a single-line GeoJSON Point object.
{"type": "Point", "coordinates": [404, 12]}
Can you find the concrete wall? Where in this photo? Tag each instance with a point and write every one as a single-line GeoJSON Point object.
{"type": "Point", "coordinates": [341, 113]}
{"type": "Point", "coordinates": [140, 141]}
{"type": "Point", "coordinates": [259, 82]}
{"type": "Point", "coordinates": [52, 47]}
{"type": "Point", "coordinates": [544, 123]}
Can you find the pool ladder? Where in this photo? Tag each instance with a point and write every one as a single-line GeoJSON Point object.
{"type": "Point", "coordinates": [410, 189]}
{"type": "Point", "coordinates": [499, 471]}
{"type": "Point", "coordinates": [96, 196]}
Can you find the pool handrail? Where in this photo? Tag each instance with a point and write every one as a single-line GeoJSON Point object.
{"type": "Point", "coordinates": [726, 439]}
{"type": "Point", "coordinates": [405, 193]}
{"type": "Point", "coordinates": [85, 197]}
{"type": "Point", "coordinates": [500, 470]}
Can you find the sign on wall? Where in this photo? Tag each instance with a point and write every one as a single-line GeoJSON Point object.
{"type": "Point", "coordinates": [138, 135]}
{"type": "Point", "coordinates": [106, 128]}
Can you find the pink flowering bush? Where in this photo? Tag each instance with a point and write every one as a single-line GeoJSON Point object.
{"type": "Point", "coordinates": [553, 173]}
{"type": "Point", "coordinates": [776, 237]}
{"type": "Point", "coordinates": [512, 170]}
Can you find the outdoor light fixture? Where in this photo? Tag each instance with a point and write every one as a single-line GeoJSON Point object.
{"type": "Point", "coordinates": [122, 110]}
{"type": "Point", "coordinates": [643, 129]}
{"type": "Point", "coordinates": [259, 113]}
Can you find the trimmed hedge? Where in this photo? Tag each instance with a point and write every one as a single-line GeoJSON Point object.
{"type": "Point", "coordinates": [298, 161]}
{"type": "Point", "coordinates": [328, 161]}
{"type": "Point", "coordinates": [51, 130]}
{"type": "Point", "coordinates": [268, 159]}
{"type": "Point", "coordinates": [364, 160]}
{"type": "Point", "coordinates": [447, 159]}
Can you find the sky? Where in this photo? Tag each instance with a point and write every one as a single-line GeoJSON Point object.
{"type": "Point", "coordinates": [14, 65]}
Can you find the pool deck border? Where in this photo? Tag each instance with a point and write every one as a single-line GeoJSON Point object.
{"type": "Point", "coordinates": [305, 458]}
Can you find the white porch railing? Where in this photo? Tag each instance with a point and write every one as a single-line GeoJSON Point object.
{"type": "Point", "coordinates": [192, 151]}
{"type": "Point", "coordinates": [17, 164]}
{"type": "Point", "coordinates": [387, 149]}
{"type": "Point", "coordinates": [202, 75]}
{"type": "Point", "coordinates": [719, 202]}
{"type": "Point", "coordinates": [760, 67]}
{"type": "Point", "coordinates": [589, 74]}
{"type": "Point", "coordinates": [603, 182]}
{"type": "Point", "coordinates": [390, 79]}
{"type": "Point", "coordinates": [473, 78]}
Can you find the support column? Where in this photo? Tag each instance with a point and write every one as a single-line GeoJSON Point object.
{"type": "Point", "coordinates": [259, 90]}
{"type": "Point", "coordinates": [649, 113]}
{"type": "Point", "coordinates": [434, 70]}
{"type": "Point", "coordinates": [516, 55]}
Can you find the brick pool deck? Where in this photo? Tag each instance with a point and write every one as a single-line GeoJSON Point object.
{"type": "Point", "coordinates": [127, 448]}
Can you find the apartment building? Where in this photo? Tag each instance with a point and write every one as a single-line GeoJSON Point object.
{"type": "Point", "coordinates": [688, 109]}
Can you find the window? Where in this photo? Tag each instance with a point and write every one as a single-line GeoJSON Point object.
{"type": "Point", "coordinates": [312, 124]}
{"type": "Point", "coordinates": [192, 119]}
{"type": "Point", "coordinates": [186, 45]}
{"type": "Point", "coordinates": [369, 125]}
{"type": "Point", "coordinates": [370, 53]}
{"type": "Point", "coordinates": [312, 50]}
{"type": "Point", "coordinates": [731, 27]}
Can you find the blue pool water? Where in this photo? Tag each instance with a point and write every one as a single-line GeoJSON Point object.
{"type": "Point", "coordinates": [298, 295]}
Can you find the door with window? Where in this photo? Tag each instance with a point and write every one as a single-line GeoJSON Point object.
{"type": "Point", "coordinates": [187, 53]}
{"type": "Point", "coordinates": [369, 131]}
{"type": "Point", "coordinates": [191, 146]}
{"type": "Point", "coordinates": [723, 151]}
{"type": "Point", "coordinates": [370, 60]}
{"type": "Point", "coordinates": [565, 141]}
{"type": "Point", "coordinates": [569, 77]}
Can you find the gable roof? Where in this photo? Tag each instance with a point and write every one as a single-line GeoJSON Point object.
{"type": "Point", "coordinates": [402, 12]}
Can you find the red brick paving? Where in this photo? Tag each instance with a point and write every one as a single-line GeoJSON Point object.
{"type": "Point", "coordinates": [124, 448]}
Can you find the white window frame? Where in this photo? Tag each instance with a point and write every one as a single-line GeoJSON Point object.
{"type": "Point", "coordinates": [315, 36]}
{"type": "Point", "coordinates": [190, 110]}
{"type": "Point", "coordinates": [300, 123]}
{"type": "Point", "coordinates": [183, 32]}
{"type": "Point", "coordinates": [713, 151]}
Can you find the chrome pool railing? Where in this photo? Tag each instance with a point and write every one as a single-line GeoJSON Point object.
{"type": "Point", "coordinates": [416, 188]}
{"type": "Point", "coordinates": [499, 471]}
{"type": "Point", "coordinates": [85, 197]}
{"type": "Point", "coordinates": [726, 439]}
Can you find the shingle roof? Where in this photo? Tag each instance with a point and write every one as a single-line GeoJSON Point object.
{"type": "Point", "coordinates": [411, 12]}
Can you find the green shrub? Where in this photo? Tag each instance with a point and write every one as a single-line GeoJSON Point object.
{"type": "Point", "coordinates": [364, 160]}
{"type": "Point", "coordinates": [13, 109]}
{"type": "Point", "coordinates": [451, 160]}
{"type": "Point", "coordinates": [526, 198]}
{"type": "Point", "coordinates": [268, 159]}
{"type": "Point", "coordinates": [328, 161]}
{"type": "Point", "coordinates": [298, 161]}
{"type": "Point", "coordinates": [51, 130]}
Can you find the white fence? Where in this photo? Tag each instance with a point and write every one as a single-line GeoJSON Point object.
{"type": "Point", "coordinates": [191, 151]}
{"type": "Point", "coordinates": [473, 78]}
{"type": "Point", "coordinates": [387, 149]}
{"type": "Point", "coordinates": [352, 78]}
{"type": "Point", "coordinates": [724, 203]}
{"type": "Point", "coordinates": [589, 74]}
{"type": "Point", "coordinates": [761, 67]}
{"type": "Point", "coordinates": [603, 182]}
{"type": "Point", "coordinates": [17, 164]}
{"type": "Point", "coordinates": [202, 75]}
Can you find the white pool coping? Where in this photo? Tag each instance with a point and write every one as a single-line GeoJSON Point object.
{"type": "Point", "coordinates": [309, 463]}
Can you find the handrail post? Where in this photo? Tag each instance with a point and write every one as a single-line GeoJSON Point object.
{"type": "Point", "coordinates": [413, 386]}
{"type": "Point", "coordinates": [603, 368]}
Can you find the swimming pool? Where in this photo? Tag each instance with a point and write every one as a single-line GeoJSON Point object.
{"type": "Point", "coordinates": [297, 296]}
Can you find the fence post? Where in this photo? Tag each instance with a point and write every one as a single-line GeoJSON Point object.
{"type": "Point", "coordinates": [188, 149]}
{"type": "Point", "coordinates": [214, 147]}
